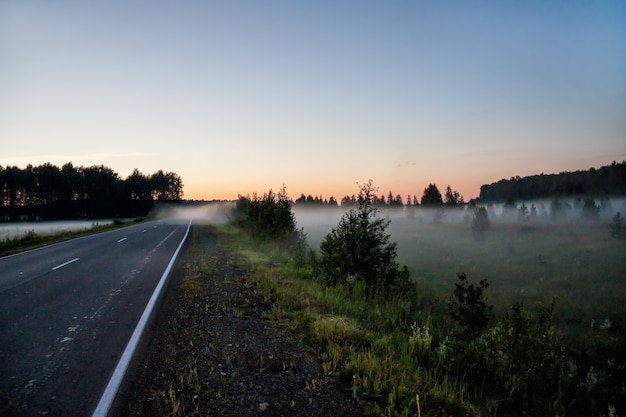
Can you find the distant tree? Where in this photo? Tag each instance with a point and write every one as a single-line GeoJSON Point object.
{"type": "Point", "coordinates": [348, 200]}
{"type": "Point", "coordinates": [69, 190]}
{"type": "Point", "coordinates": [431, 196]}
{"type": "Point", "coordinates": [101, 192]}
{"type": "Point", "coordinates": [452, 198]}
{"type": "Point", "coordinates": [46, 196]}
{"type": "Point", "coordinates": [166, 186]}
{"type": "Point", "coordinates": [617, 228]}
{"type": "Point", "coordinates": [481, 222]}
{"type": "Point", "coordinates": [556, 209]}
{"type": "Point", "coordinates": [300, 200]}
{"type": "Point", "coordinates": [523, 214]}
{"type": "Point", "coordinates": [394, 201]}
{"type": "Point", "coordinates": [332, 202]}
{"type": "Point", "coordinates": [415, 201]}
{"type": "Point", "coordinates": [607, 180]}
{"type": "Point", "coordinates": [590, 210]}
{"type": "Point", "coordinates": [47, 192]}
{"type": "Point", "coordinates": [137, 193]}
{"type": "Point", "coordinates": [138, 186]}
{"type": "Point", "coordinates": [13, 191]}
{"type": "Point", "coordinates": [509, 209]}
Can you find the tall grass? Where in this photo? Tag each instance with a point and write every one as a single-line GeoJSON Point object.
{"type": "Point", "coordinates": [399, 355]}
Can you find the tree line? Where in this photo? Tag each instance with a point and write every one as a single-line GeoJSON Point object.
{"type": "Point", "coordinates": [604, 181]}
{"type": "Point", "coordinates": [430, 197]}
{"type": "Point", "coordinates": [47, 192]}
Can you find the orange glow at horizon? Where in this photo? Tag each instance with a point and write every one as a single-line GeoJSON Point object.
{"type": "Point", "coordinates": [197, 191]}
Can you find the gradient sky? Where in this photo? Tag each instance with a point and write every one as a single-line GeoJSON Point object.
{"type": "Point", "coordinates": [243, 96]}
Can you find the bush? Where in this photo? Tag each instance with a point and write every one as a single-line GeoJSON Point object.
{"type": "Point", "coordinates": [590, 210]}
{"type": "Point", "coordinates": [468, 308]}
{"type": "Point", "coordinates": [480, 222]}
{"type": "Point", "coordinates": [270, 217]}
{"type": "Point", "coordinates": [617, 225]}
{"type": "Point", "coordinates": [359, 249]}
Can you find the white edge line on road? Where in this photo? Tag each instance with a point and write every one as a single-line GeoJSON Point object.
{"type": "Point", "coordinates": [120, 370]}
{"type": "Point", "coordinates": [64, 264]}
{"type": "Point", "coordinates": [122, 239]}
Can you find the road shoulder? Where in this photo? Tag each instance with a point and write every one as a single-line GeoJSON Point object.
{"type": "Point", "coordinates": [211, 351]}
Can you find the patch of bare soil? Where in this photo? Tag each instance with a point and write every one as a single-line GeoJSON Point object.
{"type": "Point", "coordinates": [211, 352]}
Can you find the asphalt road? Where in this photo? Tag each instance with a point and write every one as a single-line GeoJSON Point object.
{"type": "Point", "coordinates": [67, 312]}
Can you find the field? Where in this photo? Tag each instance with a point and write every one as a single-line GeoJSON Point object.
{"type": "Point", "coordinates": [578, 262]}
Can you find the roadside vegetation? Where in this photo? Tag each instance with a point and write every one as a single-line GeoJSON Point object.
{"type": "Point", "coordinates": [404, 352]}
{"type": "Point", "coordinates": [33, 240]}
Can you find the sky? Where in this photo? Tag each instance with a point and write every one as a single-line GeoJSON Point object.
{"type": "Point", "coordinates": [245, 96]}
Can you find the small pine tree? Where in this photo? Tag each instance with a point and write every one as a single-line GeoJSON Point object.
{"type": "Point", "coordinates": [360, 248]}
{"type": "Point", "coordinates": [480, 223]}
{"type": "Point", "coordinates": [523, 214]}
{"type": "Point", "coordinates": [468, 308]}
{"type": "Point", "coordinates": [617, 227]}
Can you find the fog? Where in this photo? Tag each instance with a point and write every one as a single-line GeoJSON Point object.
{"type": "Point", "coordinates": [198, 212]}
{"type": "Point", "coordinates": [317, 222]}
{"type": "Point", "coordinates": [17, 229]}
{"type": "Point", "coordinates": [214, 212]}
{"type": "Point", "coordinates": [526, 259]}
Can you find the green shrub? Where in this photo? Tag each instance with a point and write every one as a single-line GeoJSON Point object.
{"type": "Point", "coordinates": [359, 249]}
{"type": "Point", "coordinates": [270, 218]}
{"type": "Point", "coordinates": [468, 308]}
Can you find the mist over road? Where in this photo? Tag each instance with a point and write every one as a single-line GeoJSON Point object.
{"type": "Point", "coordinates": [68, 310]}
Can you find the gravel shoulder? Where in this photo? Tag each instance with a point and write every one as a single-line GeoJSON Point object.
{"type": "Point", "coordinates": [211, 351]}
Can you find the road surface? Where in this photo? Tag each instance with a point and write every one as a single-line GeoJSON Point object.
{"type": "Point", "coordinates": [67, 312]}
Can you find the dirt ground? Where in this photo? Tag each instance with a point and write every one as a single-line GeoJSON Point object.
{"type": "Point", "coordinates": [211, 352]}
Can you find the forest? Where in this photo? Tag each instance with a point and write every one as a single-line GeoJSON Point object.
{"type": "Point", "coordinates": [47, 192]}
{"type": "Point", "coordinates": [431, 197]}
{"type": "Point", "coordinates": [605, 181]}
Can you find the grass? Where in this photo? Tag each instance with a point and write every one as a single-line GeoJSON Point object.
{"type": "Point", "coordinates": [397, 355]}
{"type": "Point", "coordinates": [364, 344]}
{"type": "Point", "coordinates": [578, 262]}
{"type": "Point", "coordinates": [33, 240]}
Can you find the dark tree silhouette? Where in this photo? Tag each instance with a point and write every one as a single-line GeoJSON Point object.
{"type": "Point", "coordinates": [452, 198]}
{"type": "Point", "coordinates": [431, 196]}
{"type": "Point", "coordinates": [607, 180]}
{"type": "Point", "coordinates": [49, 192]}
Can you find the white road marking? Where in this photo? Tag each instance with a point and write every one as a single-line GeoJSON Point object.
{"type": "Point", "coordinates": [122, 239]}
{"type": "Point", "coordinates": [120, 370]}
{"type": "Point", "coordinates": [143, 231]}
{"type": "Point", "coordinates": [64, 264]}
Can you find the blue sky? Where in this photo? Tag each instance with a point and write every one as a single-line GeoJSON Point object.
{"type": "Point", "coordinates": [244, 96]}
